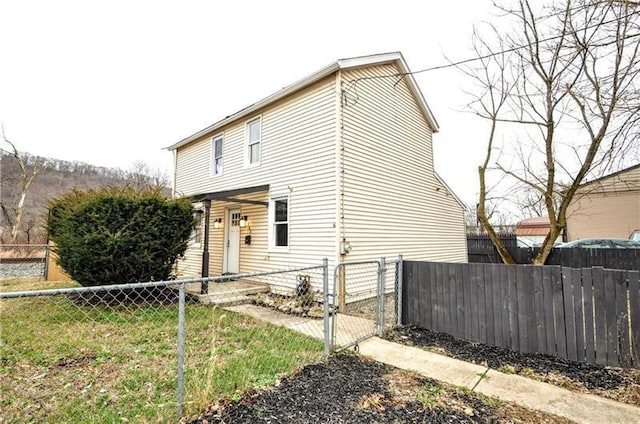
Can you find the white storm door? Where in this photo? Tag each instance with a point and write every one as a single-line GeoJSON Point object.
{"type": "Point", "coordinates": [232, 242]}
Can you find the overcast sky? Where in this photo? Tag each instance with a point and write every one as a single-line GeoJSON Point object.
{"type": "Point", "coordinates": [112, 82]}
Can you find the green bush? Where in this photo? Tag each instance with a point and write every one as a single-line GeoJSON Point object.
{"type": "Point", "coordinates": [117, 235]}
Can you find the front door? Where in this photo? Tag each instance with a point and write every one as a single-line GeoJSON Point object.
{"type": "Point", "coordinates": [232, 242]}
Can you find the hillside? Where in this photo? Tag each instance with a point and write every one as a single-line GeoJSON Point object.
{"type": "Point", "coordinates": [54, 178]}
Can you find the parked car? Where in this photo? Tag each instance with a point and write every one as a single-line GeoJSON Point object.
{"type": "Point", "coordinates": [601, 243]}
{"type": "Point", "coordinates": [635, 235]}
{"type": "Point", "coordinates": [539, 244]}
{"type": "Point", "coordinates": [525, 243]}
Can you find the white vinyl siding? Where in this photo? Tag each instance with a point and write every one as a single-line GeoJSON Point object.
{"type": "Point", "coordinates": [370, 151]}
{"type": "Point", "coordinates": [393, 201]}
{"type": "Point", "coordinates": [297, 161]}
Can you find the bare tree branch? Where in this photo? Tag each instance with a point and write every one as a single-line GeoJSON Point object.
{"type": "Point", "coordinates": [26, 178]}
{"type": "Point", "coordinates": [570, 67]}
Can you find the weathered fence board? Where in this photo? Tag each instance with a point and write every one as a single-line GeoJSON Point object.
{"type": "Point", "coordinates": [610, 318]}
{"type": "Point", "coordinates": [623, 344]}
{"type": "Point", "coordinates": [558, 313]}
{"type": "Point", "coordinates": [587, 315]}
{"type": "Point", "coordinates": [576, 284]}
{"type": "Point", "coordinates": [570, 324]}
{"type": "Point", "coordinates": [538, 306]}
{"type": "Point", "coordinates": [513, 308]}
{"type": "Point", "coordinates": [589, 332]}
{"type": "Point", "coordinates": [547, 301]}
{"type": "Point", "coordinates": [600, 319]}
{"type": "Point", "coordinates": [474, 282]}
{"type": "Point", "coordinates": [450, 290]}
{"type": "Point", "coordinates": [634, 302]}
{"type": "Point", "coordinates": [504, 294]}
{"type": "Point", "coordinates": [468, 301]}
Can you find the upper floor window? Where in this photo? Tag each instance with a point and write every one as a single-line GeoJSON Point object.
{"type": "Point", "coordinates": [217, 155]}
{"type": "Point", "coordinates": [253, 137]}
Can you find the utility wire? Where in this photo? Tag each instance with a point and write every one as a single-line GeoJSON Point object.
{"type": "Point", "coordinates": [492, 54]}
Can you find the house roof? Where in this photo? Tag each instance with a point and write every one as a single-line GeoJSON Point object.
{"type": "Point", "coordinates": [341, 64]}
{"type": "Point", "coordinates": [614, 174]}
{"type": "Point", "coordinates": [537, 226]}
{"type": "Point", "coordinates": [538, 221]}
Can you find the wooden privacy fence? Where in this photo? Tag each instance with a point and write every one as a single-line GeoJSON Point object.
{"type": "Point", "coordinates": [588, 315]}
{"type": "Point", "coordinates": [480, 249]}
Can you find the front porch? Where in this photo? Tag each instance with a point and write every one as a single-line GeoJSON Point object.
{"type": "Point", "coordinates": [227, 231]}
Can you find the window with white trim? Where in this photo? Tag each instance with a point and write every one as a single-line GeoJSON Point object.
{"type": "Point", "coordinates": [280, 223]}
{"type": "Point", "coordinates": [217, 155]}
{"type": "Point", "coordinates": [254, 136]}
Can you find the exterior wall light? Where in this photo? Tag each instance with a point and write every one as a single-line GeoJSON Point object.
{"type": "Point", "coordinates": [217, 223]}
{"type": "Point", "coordinates": [244, 221]}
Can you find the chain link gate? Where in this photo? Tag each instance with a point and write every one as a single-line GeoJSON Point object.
{"type": "Point", "coordinates": [365, 301]}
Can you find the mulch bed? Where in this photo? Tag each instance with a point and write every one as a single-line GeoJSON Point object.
{"type": "Point", "coordinates": [348, 389]}
{"type": "Point", "coordinates": [616, 384]}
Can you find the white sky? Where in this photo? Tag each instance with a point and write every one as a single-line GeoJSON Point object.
{"type": "Point", "coordinates": [112, 82]}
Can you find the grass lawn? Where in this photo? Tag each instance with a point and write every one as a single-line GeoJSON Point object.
{"type": "Point", "coordinates": [66, 361]}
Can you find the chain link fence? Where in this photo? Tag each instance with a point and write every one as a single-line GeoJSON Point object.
{"type": "Point", "coordinates": [23, 260]}
{"type": "Point", "coordinates": [149, 351]}
{"type": "Point", "coordinates": [159, 350]}
{"type": "Point", "coordinates": [366, 296]}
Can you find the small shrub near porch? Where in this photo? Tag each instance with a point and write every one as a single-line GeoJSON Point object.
{"type": "Point", "coordinates": [117, 235]}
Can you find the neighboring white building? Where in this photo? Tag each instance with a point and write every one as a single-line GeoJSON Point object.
{"type": "Point", "coordinates": [341, 160]}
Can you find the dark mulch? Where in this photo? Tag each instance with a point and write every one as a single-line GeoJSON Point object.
{"type": "Point", "coordinates": [347, 389]}
{"type": "Point", "coordinates": [617, 384]}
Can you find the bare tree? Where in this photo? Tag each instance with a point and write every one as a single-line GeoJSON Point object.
{"type": "Point", "coordinates": [13, 213]}
{"type": "Point", "coordinates": [564, 78]}
{"type": "Point", "coordinates": [531, 203]}
{"type": "Point", "coordinates": [141, 177]}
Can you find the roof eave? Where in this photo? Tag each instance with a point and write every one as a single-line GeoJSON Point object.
{"type": "Point", "coordinates": [316, 76]}
{"type": "Point", "coordinates": [342, 64]}
{"type": "Point", "coordinates": [358, 62]}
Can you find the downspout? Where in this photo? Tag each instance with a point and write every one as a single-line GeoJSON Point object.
{"type": "Point", "coordinates": [204, 287]}
{"type": "Point", "coordinates": [339, 170]}
{"type": "Point", "coordinates": [339, 286]}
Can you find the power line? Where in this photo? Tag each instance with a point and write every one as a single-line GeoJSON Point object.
{"type": "Point", "coordinates": [489, 55]}
{"type": "Point", "coordinates": [512, 49]}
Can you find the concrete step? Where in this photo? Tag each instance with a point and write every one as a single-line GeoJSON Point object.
{"type": "Point", "coordinates": [226, 301]}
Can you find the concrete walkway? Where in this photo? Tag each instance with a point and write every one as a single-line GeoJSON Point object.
{"type": "Point", "coordinates": [578, 407]}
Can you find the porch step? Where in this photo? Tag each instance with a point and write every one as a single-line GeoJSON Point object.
{"type": "Point", "coordinates": [228, 301]}
{"type": "Point", "coordinates": [231, 293]}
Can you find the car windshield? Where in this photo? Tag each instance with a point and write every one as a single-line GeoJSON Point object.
{"type": "Point", "coordinates": [626, 244]}
{"type": "Point", "coordinates": [594, 244]}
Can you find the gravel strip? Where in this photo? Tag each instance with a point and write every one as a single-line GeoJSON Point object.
{"type": "Point", "coordinates": [35, 269]}
{"type": "Point", "coordinates": [616, 384]}
{"type": "Point", "coordinates": [348, 389]}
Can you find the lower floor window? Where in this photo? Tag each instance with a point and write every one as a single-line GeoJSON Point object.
{"type": "Point", "coordinates": [196, 235]}
{"type": "Point", "coordinates": [281, 222]}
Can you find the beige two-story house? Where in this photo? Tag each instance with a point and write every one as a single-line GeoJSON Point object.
{"type": "Point", "coordinates": [338, 165]}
